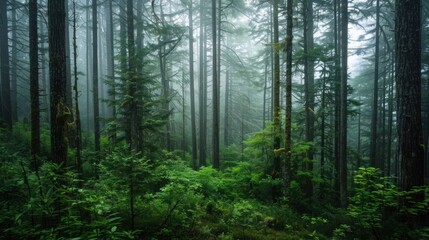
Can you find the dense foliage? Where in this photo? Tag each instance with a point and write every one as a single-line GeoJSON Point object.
{"type": "Point", "coordinates": [134, 197]}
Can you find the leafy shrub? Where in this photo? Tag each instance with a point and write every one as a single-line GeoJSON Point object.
{"type": "Point", "coordinates": [373, 194]}
{"type": "Point", "coordinates": [379, 208]}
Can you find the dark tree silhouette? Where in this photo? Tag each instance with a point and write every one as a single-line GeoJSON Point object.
{"type": "Point", "coordinates": [95, 76]}
{"type": "Point", "coordinates": [408, 88]}
{"type": "Point", "coordinates": [6, 105]}
{"type": "Point", "coordinates": [34, 82]}
{"type": "Point", "coordinates": [57, 74]}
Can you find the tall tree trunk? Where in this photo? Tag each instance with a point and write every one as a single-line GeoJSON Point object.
{"type": "Point", "coordinates": [140, 36]}
{"type": "Point", "coordinates": [78, 137]}
{"type": "Point", "coordinates": [69, 94]}
{"type": "Point", "coordinates": [227, 100]}
{"type": "Point", "coordinates": [242, 116]}
{"type": "Point", "coordinates": [45, 85]}
{"type": "Point", "coordinates": [134, 126]}
{"type": "Point", "coordinates": [13, 69]}
{"type": "Point", "coordinates": [215, 97]}
{"type": "Point", "coordinates": [272, 62]}
{"type": "Point", "coordinates": [226, 135]}
{"type": "Point", "coordinates": [59, 111]}
{"type": "Point", "coordinates": [288, 117]}
{"type": "Point", "coordinates": [140, 60]}
{"type": "Point", "coordinates": [57, 72]}
{"type": "Point", "coordinates": [343, 122]}
{"type": "Point", "coordinates": [359, 141]}
{"type": "Point", "coordinates": [426, 139]}
{"type": "Point", "coordinates": [337, 90]}
{"type": "Point", "coordinates": [425, 118]}
{"type": "Point", "coordinates": [132, 86]}
{"type": "Point", "coordinates": [192, 87]}
{"type": "Point", "coordinates": [382, 154]}
{"type": "Point", "coordinates": [205, 89]}
{"type": "Point", "coordinates": [390, 119]}
{"type": "Point", "coordinates": [95, 76]}
{"type": "Point", "coordinates": [323, 136]}
{"type": "Point", "coordinates": [266, 104]}
{"type": "Point", "coordinates": [202, 89]}
{"type": "Point", "coordinates": [374, 118]}
{"type": "Point", "coordinates": [164, 77]}
{"type": "Point", "coordinates": [408, 88]}
{"type": "Point", "coordinates": [111, 65]}
{"type": "Point", "coordinates": [88, 68]}
{"type": "Point", "coordinates": [101, 72]}
{"type": "Point", "coordinates": [219, 52]}
{"type": "Point", "coordinates": [6, 105]}
{"type": "Point", "coordinates": [34, 83]}
{"type": "Point", "coordinates": [309, 91]}
{"type": "Point", "coordinates": [184, 143]}
{"type": "Point", "coordinates": [123, 58]}
{"type": "Point", "coordinates": [276, 173]}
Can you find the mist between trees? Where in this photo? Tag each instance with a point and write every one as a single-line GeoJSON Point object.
{"type": "Point", "coordinates": [222, 119]}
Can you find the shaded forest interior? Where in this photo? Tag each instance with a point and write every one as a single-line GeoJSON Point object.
{"type": "Point", "coordinates": [214, 119]}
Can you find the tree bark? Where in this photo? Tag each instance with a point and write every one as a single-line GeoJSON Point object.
{"type": "Point", "coordinates": [132, 105]}
{"type": "Point", "coordinates": [184, 143]}
{"type": "Point", "coordinates": [45, 85]}
{"type": "Point", "coordinates": [343, 122]}
{"type": "Point", "coordinates": [69, 94]}
{"type": "Point", "coordinates": [323, 136]}
{"type": "Point", "coordinates": [408, 90]}
{"type": "Point", "coordinates": [227, 101]}
{"type": "Point", "coordinates": [390, 118]}
{"type": "Point", "coordinates": [202, 89]}
{"type": "Point", "coordinates": [164, 78]}
{"type": "Point", "coordinates": [6, 105]}
{"type": "Point", "coordinates": [88, 67]}
{"type": "Point", "coordinates": [78, 137]}
{"type": "Point", "coordinates": [57, 73]}
{"type": "Point", "coordinates": [215, 97]}
{"type": "Point", "coordinates": [266, 104]}
{"type": "Point", "coordinates": [13, 69]}
{"type": "Point", "coordinates": [95, 76]}
{"type": "Point", "coordinates": [276, 173]}
{"type": "Point", "coordinates": [426, 139]}
{"type": "Point", "coordinates": [192, 87]}
{"type": "Point", "coordinates": [337, 110]}
{"type": "Point", "coordinates": [288, 117]}
{"type": "Point", "coordinates": [111, 65]}
{"type": "Point", "coordinates": [34, 83]}
{"type": "Point", "coordinates": [132, 85]}
{"type": "Point", "coordinates": [309, 91]}
{"type": "Point", "coordinates": [374, 118]}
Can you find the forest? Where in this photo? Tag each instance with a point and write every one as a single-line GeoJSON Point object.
{"type": "Point", "coordinates": [214, 119]}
